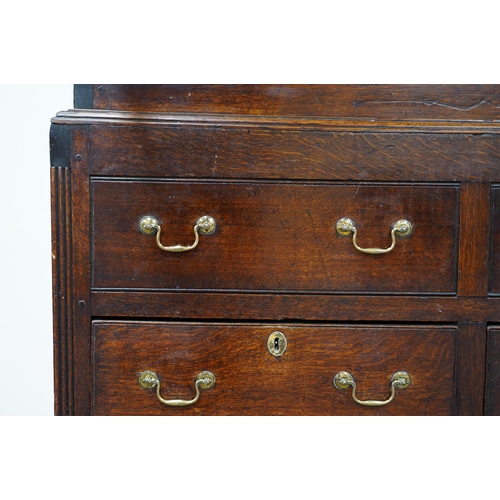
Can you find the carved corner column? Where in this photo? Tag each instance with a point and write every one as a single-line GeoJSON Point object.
{"type": "Point", "coordinates": [62, 289]}
{"type": "Point", "coordinates": [69, 182]}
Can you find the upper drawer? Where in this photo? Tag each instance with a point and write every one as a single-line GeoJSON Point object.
{"type": "Point", "coordinates": [273, 236]}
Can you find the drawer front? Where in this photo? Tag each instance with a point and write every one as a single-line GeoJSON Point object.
{"type": "Point", "coordinates": [249, 380]}
{"type": "Point", "coordinates": [495, 250]}
{"type": "Point", "coordinates": [274, 236]}
{"type": "Point", "coordinates": [493, 372]}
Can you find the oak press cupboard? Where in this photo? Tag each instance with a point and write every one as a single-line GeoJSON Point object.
{"type": "Point", "coordinates": [277, 250]}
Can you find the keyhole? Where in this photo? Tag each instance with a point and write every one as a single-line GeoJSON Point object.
{"type": "Point", "coordinates": [277, 345]}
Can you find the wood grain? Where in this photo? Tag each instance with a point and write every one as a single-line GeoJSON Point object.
{"type": "Point", "coordinates": [492, 397]}
{"type": "Point", "coordinates": [495, 241]}
{"type": "Point", "coordinates": [80, 223]}
{"type": "Point", "coordinates": [268, 153]}
{"type": "Point", "coordinates": [62, 291]}
{"type": "Point", "coordinates": [277, 166]}
{"type": "Point", "coordinates": [284, 306]}
{"type": "Point", "coordinates": [457, 102]}
{"type": "Point", "coordinates": [474, 251]}
{"type": "Point", "coordinates": [470, 369]}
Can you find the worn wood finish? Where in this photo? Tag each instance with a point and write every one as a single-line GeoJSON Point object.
{"type": "Point", "coordinates": [277, 166]}
{"type": "Point", "coordinates": [275, 236]}
{"type": "Point", "coordinates": [474, 251]}
{"type": "Point", "coordinates": [495, 241]}
{"type": "Point", "coordinates": [285, 306]}
{"type": "Point", "coordinates": [80, 223]}
{"type": "Point", "coordinates": [492, 405]}
{"type": "Point", "coordinates": [470, 368]}
{"type": "Point", "coordinates": [252, 382]}
{"type": "Point", "coordinates": [271, 153]}
{"type": "Point", "coordinates": [62, 275]}
{"type": "Point", "coordinates": [457, 102]}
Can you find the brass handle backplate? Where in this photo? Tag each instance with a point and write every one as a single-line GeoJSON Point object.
{"type": "Point", "coordinates": [204, 225]}
{"type": "Point", "coordinates": [346, 227]}
{"type": "Point", "coordinates": [149, 380]}
{"type": "Point", "coordinates": [344, 380]}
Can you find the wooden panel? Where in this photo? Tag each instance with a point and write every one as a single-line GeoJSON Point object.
{"type": "Point", "coordinates": [216, 152]}
{"type": "Point", "coordinates": [252, 382]}
{"type": "Point", "coordinates": [277, 166]}
{"type": "Point", "coordinates": [474, 239]}
{"type": "Point", "coordinates": [81, 272]}
{"type": "Point", "coordinates": [275, 236]}
{"type": "Point", "coordinates": [274, 307]}
{"type": "Point", "coordinates": [493, 372]}
{"type": "Point", "coordinates": [458, 102]}
{"type": "Point", "coordinates": [495, 239]}
{"type": "Point", "coordinates": [471, 354]}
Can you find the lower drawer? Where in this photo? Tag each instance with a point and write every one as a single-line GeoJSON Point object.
{"type": "Point", "coordinates": [253, 376]}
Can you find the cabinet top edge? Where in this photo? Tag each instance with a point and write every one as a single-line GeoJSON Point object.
{"type": "Point", "coordinates": [363, 101]}
{"type": "Point", "coordinates": [132, 118]}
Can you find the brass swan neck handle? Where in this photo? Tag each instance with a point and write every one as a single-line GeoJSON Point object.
{"type": "Point", "coordinates": [401, 229]}
{"type": "Point", "coordinates": [204, 225]}
{"type": "Point", "coordinates": [344, 380]}
{"type": "Point", "coordinates": [148, 380]}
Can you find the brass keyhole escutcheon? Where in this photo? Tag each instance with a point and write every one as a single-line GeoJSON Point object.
{"type": "Point", "coordinates": [276, 344]}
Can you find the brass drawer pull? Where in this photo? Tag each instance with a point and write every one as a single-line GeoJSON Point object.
{"type": "Point", "coordinates": [149, 379]}
{"type": "Point", "coordinates": [400, 380]}
{"type": "Point", "coordinates": [402, 229]}
{"type": "Point", "coordinates": [204, 225]}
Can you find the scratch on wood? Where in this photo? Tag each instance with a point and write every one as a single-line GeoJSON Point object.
{"type": "Point", "coordinates": [434, 102]}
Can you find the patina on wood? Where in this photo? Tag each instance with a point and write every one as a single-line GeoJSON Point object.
{"type": "Point", "coordinates": [277, 166]}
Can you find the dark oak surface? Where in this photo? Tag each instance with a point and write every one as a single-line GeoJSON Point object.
{"type": "Point", "coordinates": [474, 249]}
{"type": "Point", "coordinates": [495, 242]}
{"type": "Point", "coordinates": [63, 289]}
{"type": "Point", "coordinates": [81, 272]}
{"type": "Point", "coordinates": [279, 306]}
{"type": "Point", "coordinates": [278, 165]}
{"type": "Point", "coordinates": [462, 102]}
{"type": "Point", "coordinates": [250, 381]}
{"type": "Point", "coordinates": [275, 236]}
{"type": "Point", "coordinates": [470, 368]}
{"type": "Point", "coordinates": [493, 372]}
{"type": "Point", "coordinates": [272, 153]}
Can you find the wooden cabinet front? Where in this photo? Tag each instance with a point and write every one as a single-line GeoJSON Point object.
{"type": "Point", "coordinates": [362, 222]}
